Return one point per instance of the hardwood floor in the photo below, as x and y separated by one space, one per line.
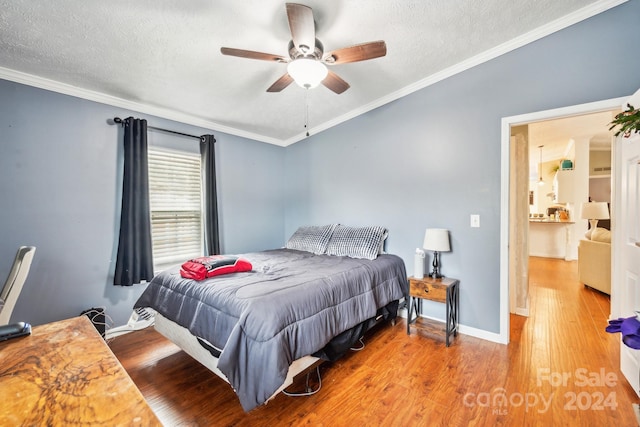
560 368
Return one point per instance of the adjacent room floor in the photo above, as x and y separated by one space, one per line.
560 368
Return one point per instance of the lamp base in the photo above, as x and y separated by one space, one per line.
435 273
594 224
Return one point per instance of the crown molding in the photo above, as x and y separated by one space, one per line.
166 113
523 40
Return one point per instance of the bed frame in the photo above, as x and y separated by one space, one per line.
189 343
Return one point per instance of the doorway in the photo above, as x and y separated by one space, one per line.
514 284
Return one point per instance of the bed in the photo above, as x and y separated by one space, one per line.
297 305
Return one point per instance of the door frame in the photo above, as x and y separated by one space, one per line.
505 219
619 259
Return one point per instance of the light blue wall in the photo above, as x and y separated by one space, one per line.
432 159
428 160
250 196
60 190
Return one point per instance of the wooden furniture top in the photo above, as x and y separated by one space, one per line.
430 288
65 374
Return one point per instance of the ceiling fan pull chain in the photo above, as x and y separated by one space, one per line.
306 110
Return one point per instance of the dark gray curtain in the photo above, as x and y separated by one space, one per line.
209 195
135 259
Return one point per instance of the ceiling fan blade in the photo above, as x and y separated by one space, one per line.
355 53
335 83
302 26
252 54
281 83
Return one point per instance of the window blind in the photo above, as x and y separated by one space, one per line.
175 203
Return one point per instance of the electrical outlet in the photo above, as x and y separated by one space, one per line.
475 221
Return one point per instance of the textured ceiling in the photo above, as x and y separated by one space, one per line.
162 57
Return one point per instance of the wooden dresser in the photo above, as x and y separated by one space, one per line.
65 374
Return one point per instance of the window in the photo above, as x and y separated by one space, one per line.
175 203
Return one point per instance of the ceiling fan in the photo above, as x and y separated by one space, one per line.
307 60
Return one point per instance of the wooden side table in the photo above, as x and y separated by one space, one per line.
65 374
443 290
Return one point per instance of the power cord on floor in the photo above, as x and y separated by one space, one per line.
308 389
361 339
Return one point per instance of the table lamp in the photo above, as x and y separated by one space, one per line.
593 211
436 240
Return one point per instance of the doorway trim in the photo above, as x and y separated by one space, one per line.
505 219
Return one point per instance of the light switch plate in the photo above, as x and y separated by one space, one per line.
475 221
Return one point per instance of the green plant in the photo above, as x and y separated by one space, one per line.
629 121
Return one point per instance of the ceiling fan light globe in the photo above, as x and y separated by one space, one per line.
307 73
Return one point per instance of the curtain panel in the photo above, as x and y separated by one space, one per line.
209 195
134 262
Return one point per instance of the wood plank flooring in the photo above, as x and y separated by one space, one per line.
560 368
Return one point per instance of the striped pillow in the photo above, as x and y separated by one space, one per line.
312 238
356 242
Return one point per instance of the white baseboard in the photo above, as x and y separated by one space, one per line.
466 330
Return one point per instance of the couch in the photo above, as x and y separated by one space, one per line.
594 260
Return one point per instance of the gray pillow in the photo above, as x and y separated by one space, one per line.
356 242
313 238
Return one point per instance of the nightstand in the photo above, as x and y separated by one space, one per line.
444 290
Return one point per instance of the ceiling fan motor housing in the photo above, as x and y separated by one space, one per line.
295 53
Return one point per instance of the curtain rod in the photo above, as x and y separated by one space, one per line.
119 120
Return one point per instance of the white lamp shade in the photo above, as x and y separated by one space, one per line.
307 73
595 210
436 239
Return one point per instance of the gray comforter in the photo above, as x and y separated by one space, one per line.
290 305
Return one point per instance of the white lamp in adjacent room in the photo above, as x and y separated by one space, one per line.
436 240
593 211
